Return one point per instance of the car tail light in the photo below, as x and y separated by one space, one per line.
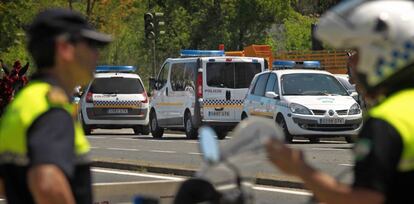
229 59
200 85
145 97
89 98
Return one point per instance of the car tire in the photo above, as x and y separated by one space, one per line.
190 131
86 128
314 140
145 129
351 139
243 116
288 137
221 134
156 130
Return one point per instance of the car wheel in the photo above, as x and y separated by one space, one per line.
86 128
221 134
145 129
190 131
351 139
244 116
156 130
288 137
314 140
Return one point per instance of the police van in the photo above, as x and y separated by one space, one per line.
115 98
201 88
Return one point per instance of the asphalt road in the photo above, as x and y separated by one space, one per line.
263 195
332 156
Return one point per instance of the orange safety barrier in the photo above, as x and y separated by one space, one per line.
334 61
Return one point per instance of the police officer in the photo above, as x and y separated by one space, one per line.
382 32
43 150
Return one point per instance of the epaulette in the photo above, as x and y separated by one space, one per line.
57 95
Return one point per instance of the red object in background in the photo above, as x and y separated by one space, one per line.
221 46
12 82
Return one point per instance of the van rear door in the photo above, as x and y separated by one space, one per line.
226 81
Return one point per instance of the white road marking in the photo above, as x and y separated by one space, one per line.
279 190
346 165
161 151
195 153
95 137
329 149
95 147
123 149
191 142
136 174
165 141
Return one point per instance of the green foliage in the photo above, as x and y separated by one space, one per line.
298 32
200 24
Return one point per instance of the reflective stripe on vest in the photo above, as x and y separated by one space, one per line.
398 110
29 104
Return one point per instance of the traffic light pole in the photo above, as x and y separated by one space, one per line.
154 58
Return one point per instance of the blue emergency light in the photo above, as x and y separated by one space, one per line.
202 53
288 64
312 64
283 64
115 68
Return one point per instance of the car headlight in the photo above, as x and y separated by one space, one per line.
299 109
355 109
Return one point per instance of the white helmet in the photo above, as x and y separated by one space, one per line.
381 31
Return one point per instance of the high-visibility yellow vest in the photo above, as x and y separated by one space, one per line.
31 102
398 110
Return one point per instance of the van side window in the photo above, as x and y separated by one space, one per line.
177 76
259 89
189 76
162 76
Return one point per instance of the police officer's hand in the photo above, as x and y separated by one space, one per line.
288 160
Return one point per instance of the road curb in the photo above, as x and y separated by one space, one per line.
260 180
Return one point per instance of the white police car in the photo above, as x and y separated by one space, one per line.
201 88
305 102
115 98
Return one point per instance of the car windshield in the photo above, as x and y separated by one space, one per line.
231 75
346 84
117 85
311 84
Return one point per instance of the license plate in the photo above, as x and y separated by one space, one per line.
219 113
332 121
117 111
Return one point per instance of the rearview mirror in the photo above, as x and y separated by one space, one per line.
208 145
271 94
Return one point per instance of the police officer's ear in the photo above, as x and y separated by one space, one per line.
65 50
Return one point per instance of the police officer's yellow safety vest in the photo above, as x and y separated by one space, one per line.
398 110
31 102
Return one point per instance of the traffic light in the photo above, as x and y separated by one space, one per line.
154 25
149 26
159 24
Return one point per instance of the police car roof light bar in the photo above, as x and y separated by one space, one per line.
290 64
202 53
115 68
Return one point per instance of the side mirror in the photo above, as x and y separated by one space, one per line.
271 94
209 145
152 83
353 94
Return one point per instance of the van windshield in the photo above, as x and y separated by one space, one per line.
116 85
231 75
311 84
